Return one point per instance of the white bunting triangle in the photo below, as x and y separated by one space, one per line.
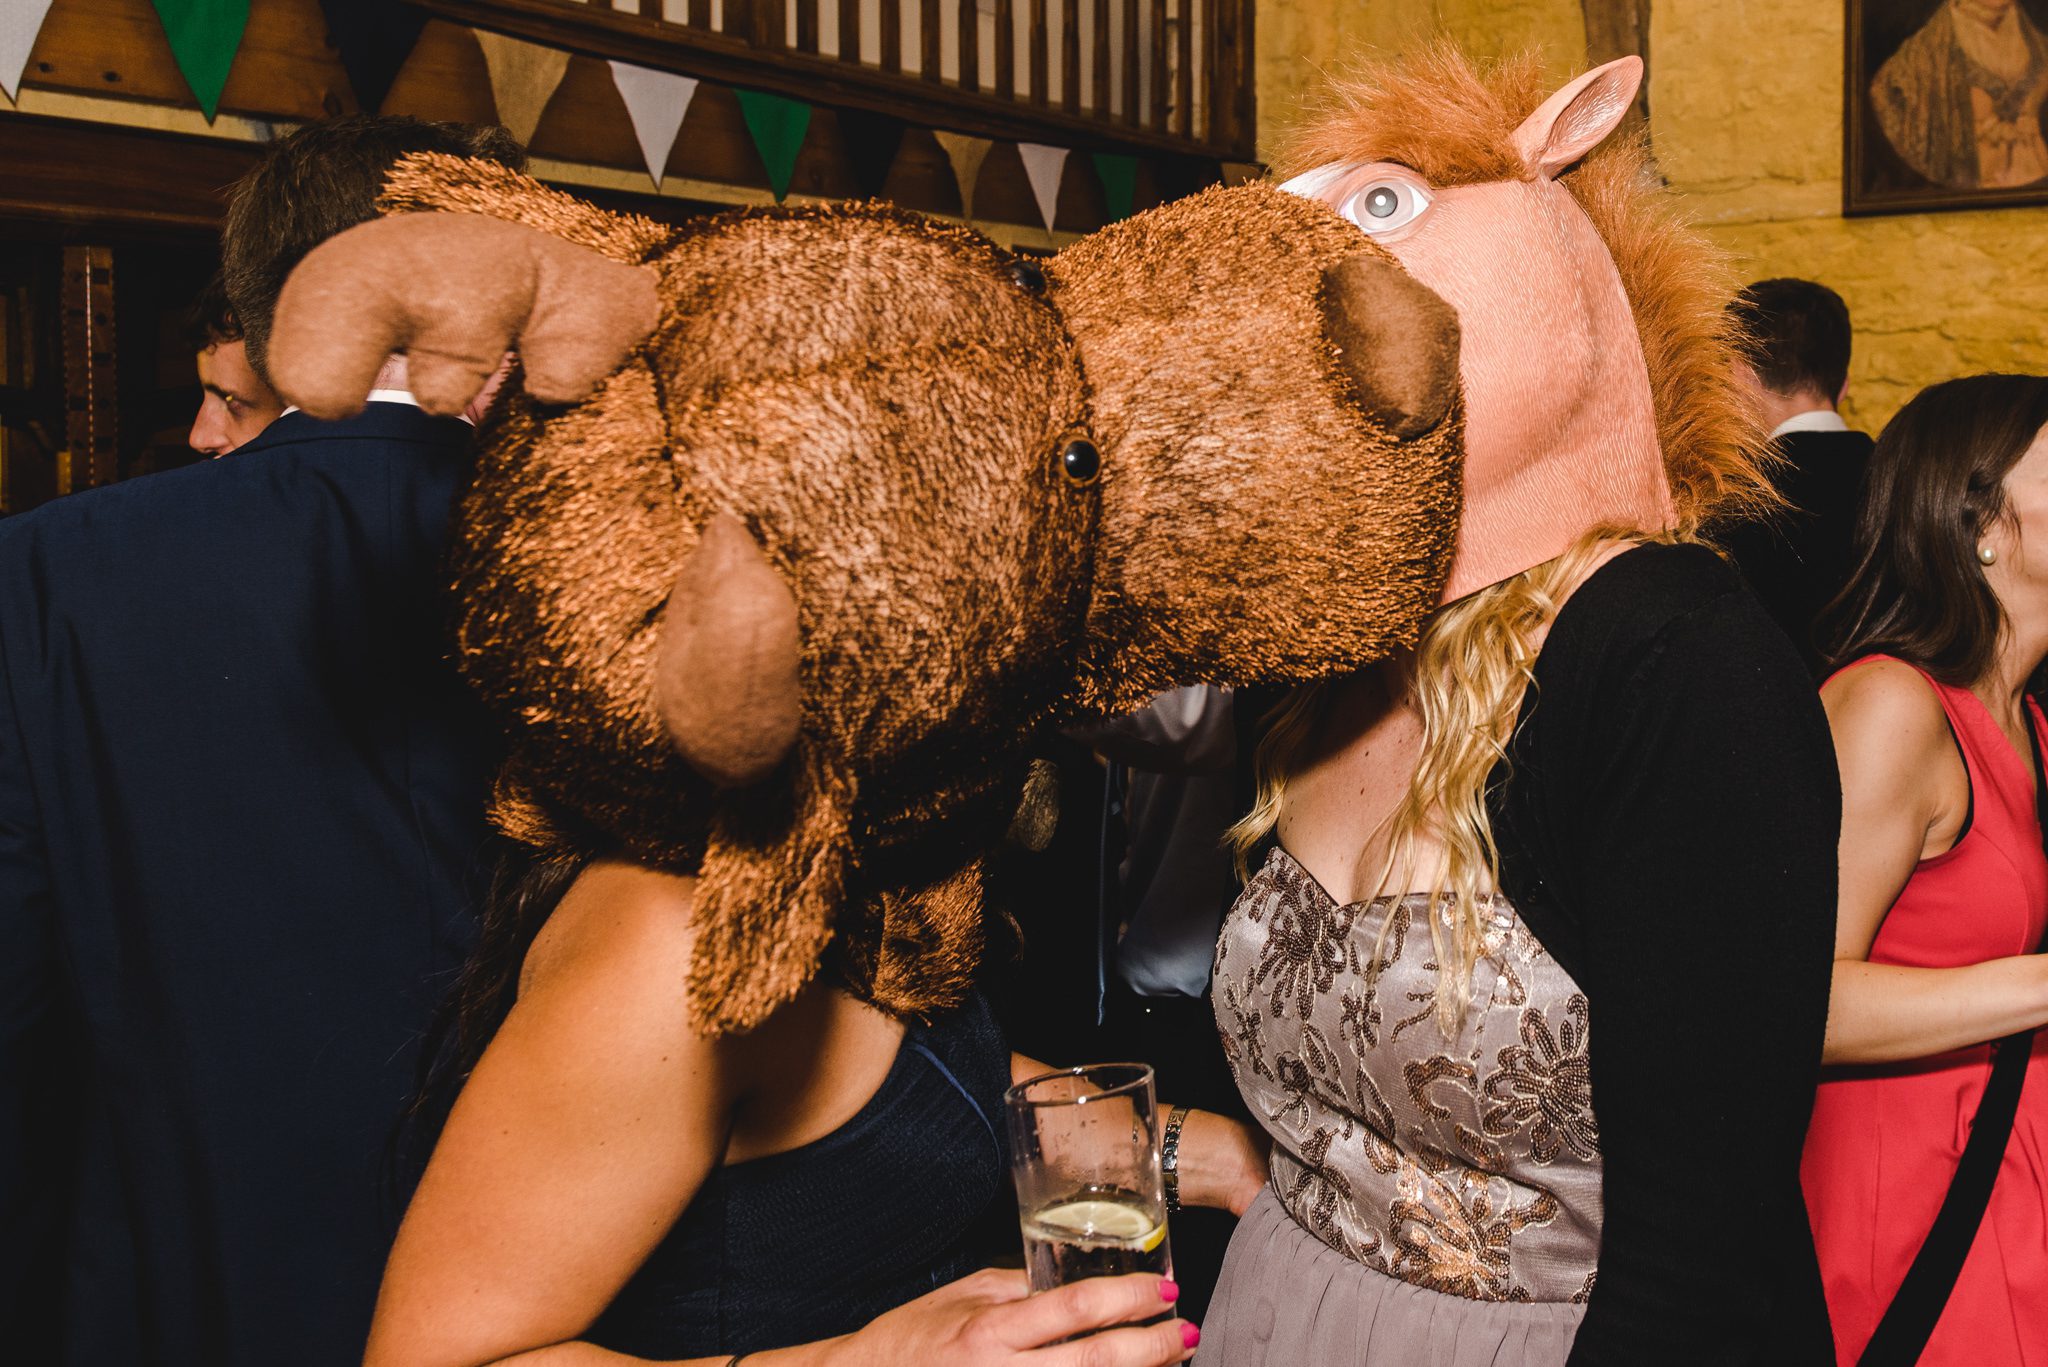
657 102
20 22
523 79
1044 165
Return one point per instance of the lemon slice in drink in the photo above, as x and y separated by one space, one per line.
1107 1221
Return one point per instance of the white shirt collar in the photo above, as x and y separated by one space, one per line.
1813 420
405 397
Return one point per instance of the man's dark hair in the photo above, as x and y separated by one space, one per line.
1797 335
322 180
210 321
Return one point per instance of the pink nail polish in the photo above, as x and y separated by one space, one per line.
1169 1291
1189 1336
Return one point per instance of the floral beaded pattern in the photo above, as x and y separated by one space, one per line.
1468 1165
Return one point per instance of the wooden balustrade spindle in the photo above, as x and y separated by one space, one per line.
771 26
1162 69
1070 55
970 44
1244 126
1184 68
807 25
1036 54
1210 47
1006 49
699 14
849 30
1222 72
1100 41
737 18
928 65
892 35
1132 113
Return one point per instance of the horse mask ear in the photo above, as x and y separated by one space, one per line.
1578 118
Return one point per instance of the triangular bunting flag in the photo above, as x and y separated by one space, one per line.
871 143
1119 176
374 38
657 102
523 79
20 22
777 124
204 36
967 154
1044 165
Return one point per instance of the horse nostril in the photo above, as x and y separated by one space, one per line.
1028 276
1081 461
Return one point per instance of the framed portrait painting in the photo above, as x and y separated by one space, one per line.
1946 105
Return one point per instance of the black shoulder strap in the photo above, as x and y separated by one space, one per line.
1910 1319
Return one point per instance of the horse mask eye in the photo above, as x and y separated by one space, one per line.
1385 205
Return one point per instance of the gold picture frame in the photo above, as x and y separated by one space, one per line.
1945 105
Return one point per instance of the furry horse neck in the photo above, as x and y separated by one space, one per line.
1574 372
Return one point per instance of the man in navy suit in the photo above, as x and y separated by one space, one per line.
1797 342
241 813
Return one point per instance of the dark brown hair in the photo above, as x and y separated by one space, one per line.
1936 483
1796 335
210 321
322 180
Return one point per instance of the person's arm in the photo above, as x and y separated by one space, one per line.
589 1124
1904 793
36 1102
1702 829
1222 1161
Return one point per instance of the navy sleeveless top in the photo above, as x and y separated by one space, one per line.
817 1241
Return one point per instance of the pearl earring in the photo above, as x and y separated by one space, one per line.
1987 555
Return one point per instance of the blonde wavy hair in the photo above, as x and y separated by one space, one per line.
1473 665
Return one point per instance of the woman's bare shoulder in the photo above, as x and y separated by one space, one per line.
1884 694
617 918
1887 721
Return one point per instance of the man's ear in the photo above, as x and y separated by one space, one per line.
1578 118
1395 339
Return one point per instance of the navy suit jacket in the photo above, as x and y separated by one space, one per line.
1799 560
241 806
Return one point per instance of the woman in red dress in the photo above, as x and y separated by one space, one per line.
1944 885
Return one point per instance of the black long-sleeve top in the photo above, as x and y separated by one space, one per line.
1667 817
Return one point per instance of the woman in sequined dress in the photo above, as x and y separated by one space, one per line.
1530 987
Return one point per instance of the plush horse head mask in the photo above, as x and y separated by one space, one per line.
1597 365
800 522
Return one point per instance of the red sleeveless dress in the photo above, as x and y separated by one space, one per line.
1885 1139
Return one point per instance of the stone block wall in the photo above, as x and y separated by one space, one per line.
1746 118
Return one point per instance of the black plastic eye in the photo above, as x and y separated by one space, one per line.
1081 461
1028 276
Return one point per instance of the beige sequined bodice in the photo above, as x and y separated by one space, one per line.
1468 1165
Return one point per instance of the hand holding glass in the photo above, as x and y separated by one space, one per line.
1084 1145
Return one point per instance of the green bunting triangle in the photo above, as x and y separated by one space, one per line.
204 36
777 124
1119 176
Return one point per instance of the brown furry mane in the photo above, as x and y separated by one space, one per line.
1450 119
